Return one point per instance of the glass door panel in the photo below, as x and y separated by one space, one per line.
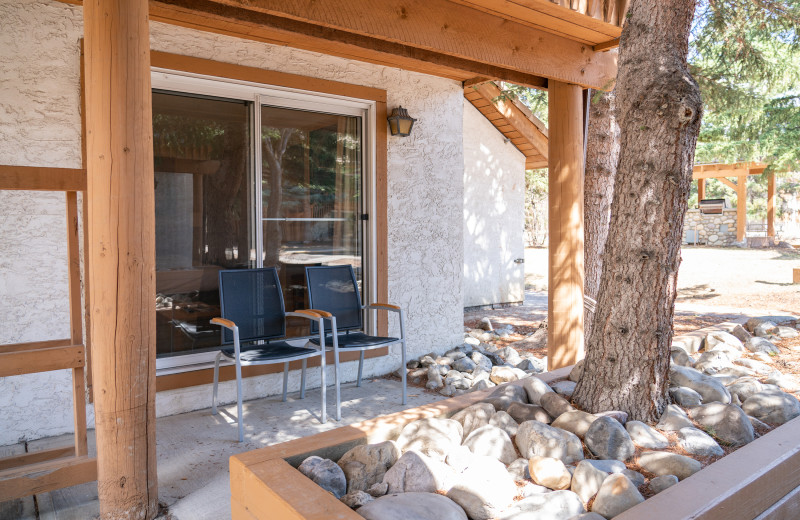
311 196
202 169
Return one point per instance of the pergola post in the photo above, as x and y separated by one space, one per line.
121 247
741 207
701 189
771 204
565 195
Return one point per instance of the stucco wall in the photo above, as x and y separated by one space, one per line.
494 214
40 125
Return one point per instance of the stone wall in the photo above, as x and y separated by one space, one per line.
712 230
40 126
494 214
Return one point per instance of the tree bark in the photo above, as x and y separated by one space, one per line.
659 110
602 154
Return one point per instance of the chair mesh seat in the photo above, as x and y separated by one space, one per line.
276 350
357 340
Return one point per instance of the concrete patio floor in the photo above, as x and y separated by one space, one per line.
193 450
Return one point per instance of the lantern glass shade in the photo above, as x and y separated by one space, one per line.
400 123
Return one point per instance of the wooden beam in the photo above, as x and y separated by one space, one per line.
714 171
565 193
741 208
42 178
431 36
38 478
514 116
728 182
701 189
34 345
771 204
121 228
40 360
36 457
606 46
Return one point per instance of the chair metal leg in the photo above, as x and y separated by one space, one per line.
303 379
216 380
285 380
336 381
239 408
323 385
360 366
403 369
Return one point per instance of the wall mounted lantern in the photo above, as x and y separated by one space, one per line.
400 123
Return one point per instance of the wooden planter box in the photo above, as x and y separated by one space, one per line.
760 480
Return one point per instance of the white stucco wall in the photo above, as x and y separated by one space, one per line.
494 214
40 126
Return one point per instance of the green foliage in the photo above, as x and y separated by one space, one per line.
745 55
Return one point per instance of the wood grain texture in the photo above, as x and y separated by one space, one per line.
46 476
42 178
741 208
41 360
121 229
565 222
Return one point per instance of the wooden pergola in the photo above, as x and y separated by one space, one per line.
554 45
741 171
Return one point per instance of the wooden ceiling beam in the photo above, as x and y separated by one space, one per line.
431 36
715 171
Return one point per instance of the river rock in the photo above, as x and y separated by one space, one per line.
577 371
412 506
685 397
535 388
546 506
365 465
662 482
712 361
531 365
535 438
519 470
698 443
787 321
673 419
787 332
645 436
483 493
616 494
679 356
555 404
665 463
741 333
434 378
716 338
504 395
464 364
528 412
565 388
505 422
634 476
588 516
379 489
575 421
765 328
503 374
431 436
473 417
759 367
356 499
326 474
772 407
415 472
745 387
618 415
756 344
726 422
608 439
549 472
587 479
510 355
491 441
481 361
710 389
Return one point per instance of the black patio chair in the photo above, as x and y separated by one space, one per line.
253 317
334 291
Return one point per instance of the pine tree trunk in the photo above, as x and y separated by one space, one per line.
659 110
602 154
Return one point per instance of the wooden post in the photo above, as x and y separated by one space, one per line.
701 189
121 229
565 194
771 204
741 207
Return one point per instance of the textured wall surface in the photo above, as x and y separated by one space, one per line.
713 230
40 125
494 214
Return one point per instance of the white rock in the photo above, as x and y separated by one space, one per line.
535 438
549 472
617 494
586 480
431 436
491 441
699 443
505 422
419 506
645 436
415 472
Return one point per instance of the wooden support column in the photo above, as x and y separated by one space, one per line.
771 204
741 207
565 194
701 189
121 229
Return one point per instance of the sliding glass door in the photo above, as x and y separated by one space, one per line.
248 179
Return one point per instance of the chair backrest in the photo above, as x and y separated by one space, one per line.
253 300
334 289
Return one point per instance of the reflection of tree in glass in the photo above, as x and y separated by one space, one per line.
274 142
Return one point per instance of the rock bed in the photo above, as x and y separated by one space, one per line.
526 453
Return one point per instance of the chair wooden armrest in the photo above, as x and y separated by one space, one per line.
385 306
228 324
324 314
305 313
